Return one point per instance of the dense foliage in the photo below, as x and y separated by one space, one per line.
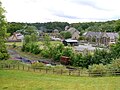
108 26
65 35
3 23
30 44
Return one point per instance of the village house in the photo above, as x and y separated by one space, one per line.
101 38
74 32
55 33
16 37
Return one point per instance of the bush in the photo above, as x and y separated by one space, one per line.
5 63
115 65
4 56
31 47
97 69
37 65
14 45
34 48
45 53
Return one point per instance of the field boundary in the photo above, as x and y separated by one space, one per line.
57 71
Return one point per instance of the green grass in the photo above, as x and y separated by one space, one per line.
40 42
23 80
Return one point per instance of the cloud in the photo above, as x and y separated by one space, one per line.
89 3
61 10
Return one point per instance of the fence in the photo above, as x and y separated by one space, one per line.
70 72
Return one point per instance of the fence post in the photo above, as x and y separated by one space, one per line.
34 69
61 71
40 70
46 70
89 73
2 66
8 66
69 72
28 68
53 70
18 66
78 72
23 67
13 66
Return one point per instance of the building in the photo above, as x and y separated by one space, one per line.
16 37
55 33
70 42
101 38
74 32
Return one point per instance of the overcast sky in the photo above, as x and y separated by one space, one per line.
61 10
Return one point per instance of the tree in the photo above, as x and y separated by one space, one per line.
13 27
46 40
101 56
117 26
65 35
3 23
30 30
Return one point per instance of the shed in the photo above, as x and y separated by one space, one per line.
71 42
65 60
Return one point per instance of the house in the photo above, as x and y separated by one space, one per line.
55 33
16 37
70 42
74 32
101 38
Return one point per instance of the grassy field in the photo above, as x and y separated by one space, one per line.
22 80
40 42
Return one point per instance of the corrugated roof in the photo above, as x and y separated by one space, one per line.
71 40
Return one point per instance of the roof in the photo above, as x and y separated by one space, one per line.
71 40
16 36
19 36
56 30
85 47
73 30
111 35
93 34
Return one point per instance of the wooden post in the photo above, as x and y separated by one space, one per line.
69 72
9 66
34 69
18 67
89 73
61 71
46 70
23 67
53 71
78 72
13 66
28 68
40 70
2 66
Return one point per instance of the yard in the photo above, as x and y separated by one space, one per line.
23 80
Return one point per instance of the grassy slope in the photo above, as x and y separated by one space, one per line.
21 80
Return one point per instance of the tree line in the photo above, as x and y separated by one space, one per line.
108 26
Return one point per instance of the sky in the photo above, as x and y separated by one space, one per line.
72 11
